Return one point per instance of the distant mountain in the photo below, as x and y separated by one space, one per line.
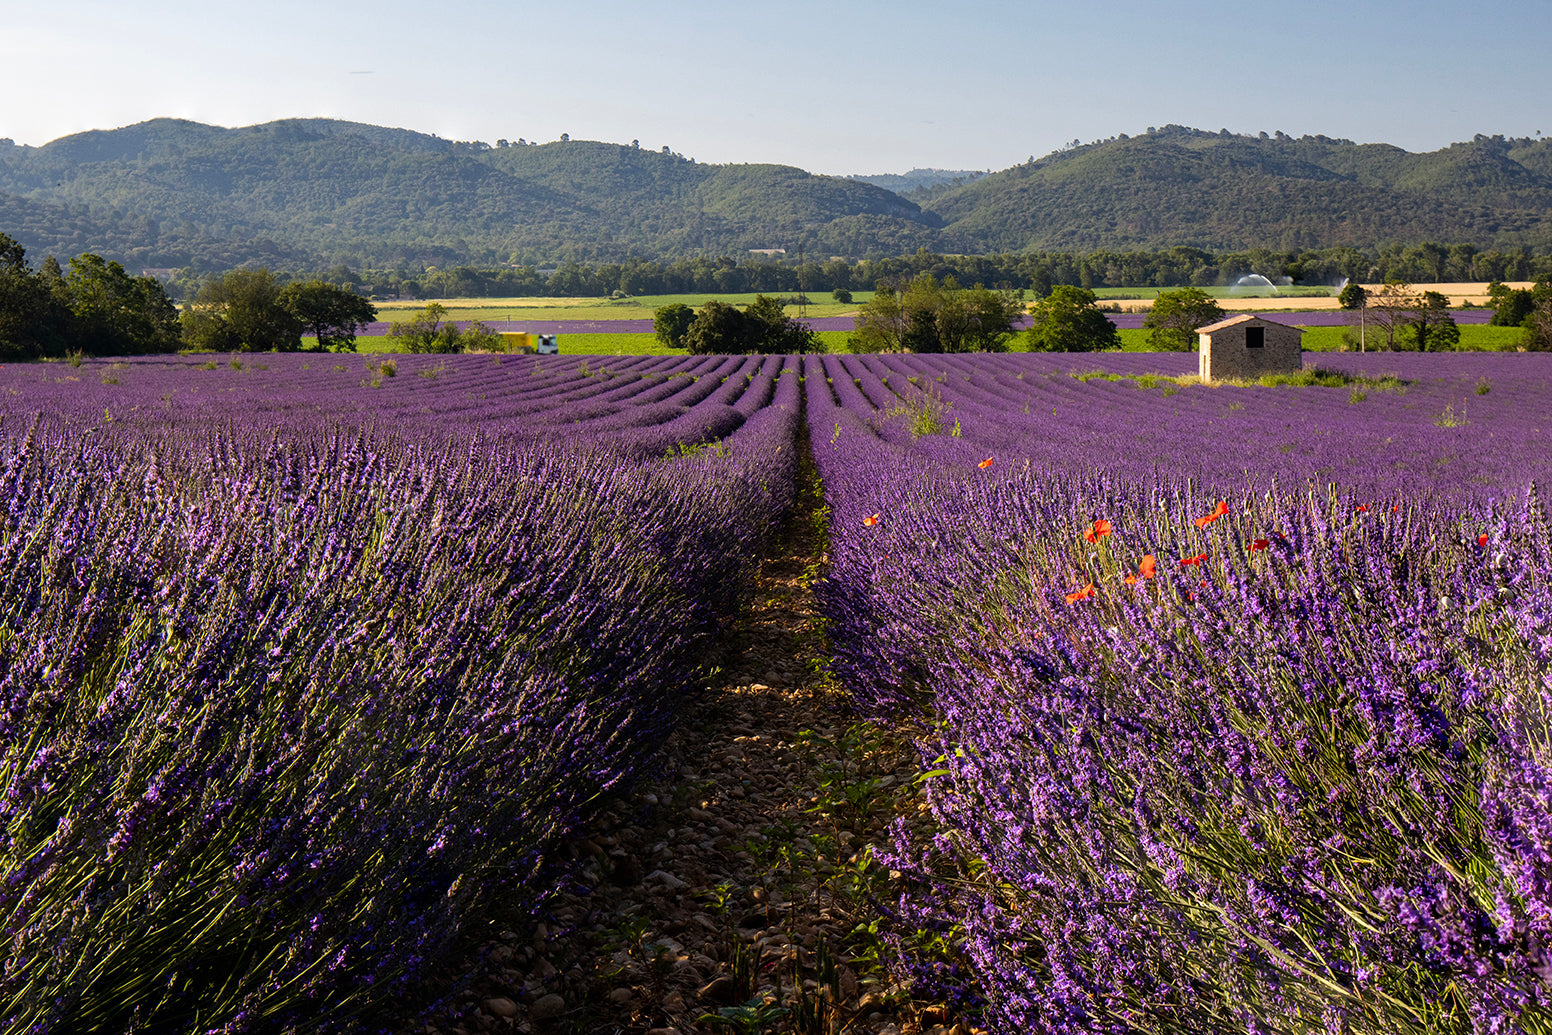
173 193
917 180
308 193
1186 187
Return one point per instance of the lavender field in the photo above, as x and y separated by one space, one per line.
1232 702
300 665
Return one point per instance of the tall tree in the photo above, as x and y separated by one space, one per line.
1175 316
332 314
1069 320
1391 310
241 312
931 316
771 330
114 314
879 325
1433 329
31 322
1538 322
671 322
719 329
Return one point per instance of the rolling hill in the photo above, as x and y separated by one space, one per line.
307 193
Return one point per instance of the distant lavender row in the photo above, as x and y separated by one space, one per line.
1459 427
299 667
1212 754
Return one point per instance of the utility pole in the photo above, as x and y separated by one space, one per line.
802 297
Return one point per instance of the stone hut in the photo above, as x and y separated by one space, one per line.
1247 346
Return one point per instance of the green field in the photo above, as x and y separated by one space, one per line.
1473 337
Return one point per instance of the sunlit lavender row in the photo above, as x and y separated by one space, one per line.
302 662
1235 700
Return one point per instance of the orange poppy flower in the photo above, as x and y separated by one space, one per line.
1146 568
1097 531
985 463
1206 519
1198 559
870 520
1260 544
1363 508
1131 580
1082 594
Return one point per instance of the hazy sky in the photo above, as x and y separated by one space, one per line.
833 87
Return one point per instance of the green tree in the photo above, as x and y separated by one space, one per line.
770 330
1510 305
763 326
841 295
241 312
1433 329
671 322
32 320
1538 322
114 314
880 324
425 332
1069 320
1176 315
931 316
1391 310
718 329
332 314
1353 296
978 319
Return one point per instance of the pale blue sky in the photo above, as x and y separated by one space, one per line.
833 87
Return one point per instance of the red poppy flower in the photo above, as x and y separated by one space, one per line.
1363 508
1198 559
1097 531
870 520
1481 540
1082 594
1260 544
985 463
1206 519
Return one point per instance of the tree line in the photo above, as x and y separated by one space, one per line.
95 307
1034 272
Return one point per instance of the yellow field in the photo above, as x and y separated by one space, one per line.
1458 294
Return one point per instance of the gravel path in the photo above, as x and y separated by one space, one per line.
712 893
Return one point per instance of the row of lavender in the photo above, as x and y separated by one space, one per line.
301 664
1224 736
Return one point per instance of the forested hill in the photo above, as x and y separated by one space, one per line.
174 193
313 192
1179 186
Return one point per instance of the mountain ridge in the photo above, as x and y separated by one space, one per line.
308 192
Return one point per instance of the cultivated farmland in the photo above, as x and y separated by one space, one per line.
1230 702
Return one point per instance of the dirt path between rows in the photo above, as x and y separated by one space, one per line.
710 897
